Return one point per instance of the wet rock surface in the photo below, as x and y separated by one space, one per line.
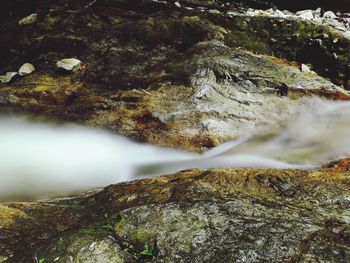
234 215
216 67
188 74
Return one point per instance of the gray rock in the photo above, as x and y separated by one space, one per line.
278 13
26 69
306 14
28 20
304 68
214 11
7 77
330 14
69 64
177 4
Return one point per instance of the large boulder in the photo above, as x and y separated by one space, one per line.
224 215
187 78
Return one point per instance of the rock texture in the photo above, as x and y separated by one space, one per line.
189 74
226 71
224 215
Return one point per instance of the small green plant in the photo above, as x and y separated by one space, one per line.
40 260
61 243
138 249
140 252
108 225
148 251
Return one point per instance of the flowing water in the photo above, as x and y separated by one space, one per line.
39 160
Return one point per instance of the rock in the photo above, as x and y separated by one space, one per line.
306 14
218 215
26 69
7 77
28 20
220 89
277 13
318 11
304 68
253 12
329 14
177 4
339 165
225 86
69 64
214 11
189 80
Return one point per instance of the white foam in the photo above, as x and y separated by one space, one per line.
39 160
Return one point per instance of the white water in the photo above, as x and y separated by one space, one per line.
39 160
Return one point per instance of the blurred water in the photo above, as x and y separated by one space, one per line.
39 160
318 133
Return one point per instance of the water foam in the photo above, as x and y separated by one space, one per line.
39 160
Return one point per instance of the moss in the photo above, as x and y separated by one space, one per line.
76 203
119 228
292 39
3 259
9 216
142 235
248 41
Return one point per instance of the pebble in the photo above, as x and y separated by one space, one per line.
304 68
214 11
7 77
28 20
177 4
277 13
306 14
69 64
26 69
329 14
340 21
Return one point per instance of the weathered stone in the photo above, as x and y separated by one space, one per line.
329 14
222 215
304 68
306 14
69 64
7 77
218 93
28 20
187 78
26 69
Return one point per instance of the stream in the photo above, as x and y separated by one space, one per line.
40 160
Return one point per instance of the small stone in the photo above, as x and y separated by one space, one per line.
28 20
329 14
251 12
277 13
287 13
7 77
26 69
177 4
69 64
306 14
304 68
214 11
